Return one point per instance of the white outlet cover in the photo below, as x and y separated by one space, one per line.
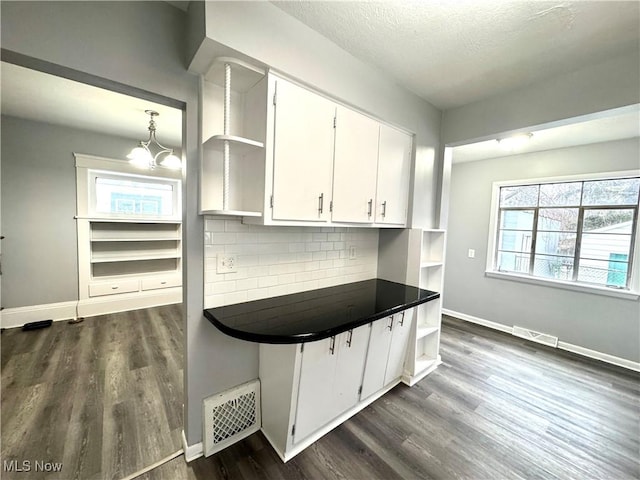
352 252
227 263
472 253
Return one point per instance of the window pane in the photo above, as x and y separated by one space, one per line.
608 220
556 243
513 262
558 268
560 194
623 191
558 219
600 246
515 240
516 219
129 197
608 273
522 196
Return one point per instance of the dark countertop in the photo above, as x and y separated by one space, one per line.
316 314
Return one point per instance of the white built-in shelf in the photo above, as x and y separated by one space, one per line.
434 230
426 331
133 239
123 257
430 264
424 362
127 219
237 145
232 213
244 75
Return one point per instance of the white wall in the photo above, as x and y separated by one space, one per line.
275 261
601 323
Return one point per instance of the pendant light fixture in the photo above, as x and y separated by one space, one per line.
142 156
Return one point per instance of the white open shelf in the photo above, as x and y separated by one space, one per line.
430 264
238 145
114 257
245 76
426 331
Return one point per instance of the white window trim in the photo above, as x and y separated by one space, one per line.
88 166
633 293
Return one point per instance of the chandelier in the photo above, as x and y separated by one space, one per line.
142 156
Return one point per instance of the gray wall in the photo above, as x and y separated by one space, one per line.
611 84
113 41
605 324
39 252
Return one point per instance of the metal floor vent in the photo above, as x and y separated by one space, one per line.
231 416
538 337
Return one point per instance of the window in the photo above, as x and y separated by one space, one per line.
575 231
113 194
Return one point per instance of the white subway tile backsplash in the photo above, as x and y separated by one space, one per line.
275 261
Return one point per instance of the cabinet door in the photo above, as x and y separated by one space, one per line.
352 351
394 165
315 394
302 155
401 330
355 167
377 355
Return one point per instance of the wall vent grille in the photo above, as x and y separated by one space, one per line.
231 416
538 337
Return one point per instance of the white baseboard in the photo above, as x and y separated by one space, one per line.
18 316
191 452
479 321
585 352
91 307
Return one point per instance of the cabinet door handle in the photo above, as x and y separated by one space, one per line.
332 347
370 202
321 203
350 338
384 208
390 326
115 287
402 320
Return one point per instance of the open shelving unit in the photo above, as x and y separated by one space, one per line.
416 257
233 160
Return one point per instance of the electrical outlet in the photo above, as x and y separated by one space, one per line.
352 252
227 263
471 253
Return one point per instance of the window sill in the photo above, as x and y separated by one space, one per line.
626 294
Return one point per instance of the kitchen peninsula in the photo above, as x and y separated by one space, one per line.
324 354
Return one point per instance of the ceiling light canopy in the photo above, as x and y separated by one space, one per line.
142 155
514 142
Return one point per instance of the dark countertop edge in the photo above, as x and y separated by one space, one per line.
313 336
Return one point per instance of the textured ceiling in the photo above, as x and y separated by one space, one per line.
456 52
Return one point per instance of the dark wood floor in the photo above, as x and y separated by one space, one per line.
104 396
497 408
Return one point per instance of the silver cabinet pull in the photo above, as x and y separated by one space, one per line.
350 338
390 326
115 287
384 208
332 348
402 320
370 202
321 203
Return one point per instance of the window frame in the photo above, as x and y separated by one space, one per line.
633 281
89 167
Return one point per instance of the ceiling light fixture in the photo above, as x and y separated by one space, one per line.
141 156
514 142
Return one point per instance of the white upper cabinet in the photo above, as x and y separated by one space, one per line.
302 154
354 167
394 165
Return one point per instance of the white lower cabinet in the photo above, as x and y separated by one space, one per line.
309 389
330 377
